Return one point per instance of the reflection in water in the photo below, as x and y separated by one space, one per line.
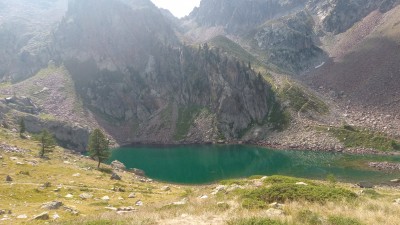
204 164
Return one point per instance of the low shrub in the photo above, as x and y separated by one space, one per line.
293 192
277 179
233 181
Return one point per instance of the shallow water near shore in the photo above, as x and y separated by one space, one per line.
201 164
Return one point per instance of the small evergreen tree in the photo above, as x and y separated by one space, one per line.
21 127
98 146
47 142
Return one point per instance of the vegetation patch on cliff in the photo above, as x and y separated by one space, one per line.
186 116
353 137
301 101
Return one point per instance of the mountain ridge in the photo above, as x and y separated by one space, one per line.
147 77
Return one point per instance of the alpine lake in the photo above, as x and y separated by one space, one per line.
203 164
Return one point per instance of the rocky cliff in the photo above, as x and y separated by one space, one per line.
26 34
146 86
145 76
284 33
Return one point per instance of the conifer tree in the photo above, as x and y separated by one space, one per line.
21 126
98 146
47 142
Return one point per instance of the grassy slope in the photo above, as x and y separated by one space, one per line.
25 196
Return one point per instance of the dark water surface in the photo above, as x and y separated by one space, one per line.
200 164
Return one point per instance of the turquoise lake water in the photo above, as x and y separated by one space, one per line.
201 164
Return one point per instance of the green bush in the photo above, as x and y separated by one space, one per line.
255 221
277 179
293 192
339 220
233 181
250 203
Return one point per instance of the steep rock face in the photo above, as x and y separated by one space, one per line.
67 135
114 34
239 15
289 42
145 87
25 35
340 15
286 32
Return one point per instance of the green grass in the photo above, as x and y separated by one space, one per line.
232 48
255 221
352 137
282 189
301 101
186 116
47 117
278 179
233 181
277 116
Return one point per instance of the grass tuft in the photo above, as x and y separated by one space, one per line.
340 220
255 221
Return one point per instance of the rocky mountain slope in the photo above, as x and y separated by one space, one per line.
219 74
25 35
141 84
363 69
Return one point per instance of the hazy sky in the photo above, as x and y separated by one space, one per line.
179 8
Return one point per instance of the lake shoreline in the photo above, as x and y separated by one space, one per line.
271 145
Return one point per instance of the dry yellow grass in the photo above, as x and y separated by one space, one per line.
25 195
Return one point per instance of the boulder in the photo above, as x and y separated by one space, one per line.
23 216
138 172
69 196
8 178
86 196
55 216
203 197
165 188
181 202
105 198
71 210
118 165
301 183
218 189
139 203
115 176
276 205
132 195
126 209
365 185
42 216
52 205
46 185
274 212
